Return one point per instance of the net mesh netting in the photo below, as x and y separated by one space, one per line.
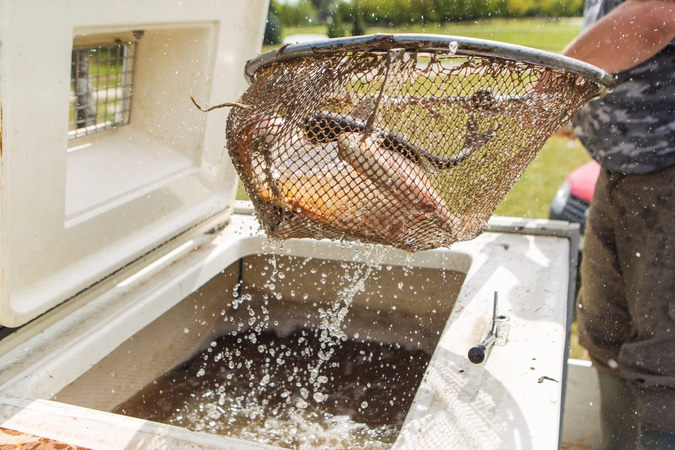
401 147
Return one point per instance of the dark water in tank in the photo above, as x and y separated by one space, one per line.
264 388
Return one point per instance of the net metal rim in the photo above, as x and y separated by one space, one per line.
434 43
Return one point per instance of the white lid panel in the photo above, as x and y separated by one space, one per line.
74 211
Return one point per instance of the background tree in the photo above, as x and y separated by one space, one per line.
358 26
325 8
393 13
335 25
300 14
272 26
350 13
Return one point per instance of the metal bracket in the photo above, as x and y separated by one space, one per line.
499 331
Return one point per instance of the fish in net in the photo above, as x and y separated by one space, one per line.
405 140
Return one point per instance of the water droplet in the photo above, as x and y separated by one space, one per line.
201 372
319 397
185 330
364 405
452 47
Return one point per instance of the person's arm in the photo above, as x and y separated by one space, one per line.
631 33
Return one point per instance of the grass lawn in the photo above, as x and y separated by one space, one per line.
551 35
532 194
545 34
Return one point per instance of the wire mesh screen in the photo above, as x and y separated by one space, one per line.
396 146
100 88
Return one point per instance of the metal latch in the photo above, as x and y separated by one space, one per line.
499 331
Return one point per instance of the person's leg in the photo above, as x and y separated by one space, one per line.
653 439
603 317
627 309
618 415
603 312
646 233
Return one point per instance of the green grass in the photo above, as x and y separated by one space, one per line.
576 350
317 29
545 34
241 192
532 194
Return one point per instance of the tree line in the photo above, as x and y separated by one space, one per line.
397 12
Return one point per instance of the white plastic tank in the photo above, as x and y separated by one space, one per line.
123 251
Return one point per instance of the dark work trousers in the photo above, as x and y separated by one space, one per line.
627 305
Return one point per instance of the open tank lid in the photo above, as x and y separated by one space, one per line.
79 201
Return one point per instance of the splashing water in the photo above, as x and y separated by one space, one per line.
307 386
332 319
452 47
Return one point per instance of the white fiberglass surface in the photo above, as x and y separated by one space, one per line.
96 203
290 351
162 318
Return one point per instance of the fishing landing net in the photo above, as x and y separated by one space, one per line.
405 140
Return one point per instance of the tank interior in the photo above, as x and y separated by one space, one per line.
283 350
